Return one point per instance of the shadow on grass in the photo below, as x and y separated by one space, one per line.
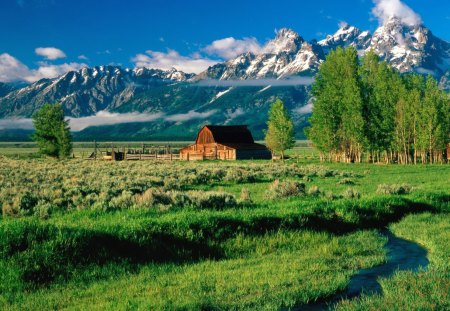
44 253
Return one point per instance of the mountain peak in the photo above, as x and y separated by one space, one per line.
286 40
346 35
286 33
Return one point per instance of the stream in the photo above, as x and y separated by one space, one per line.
401 255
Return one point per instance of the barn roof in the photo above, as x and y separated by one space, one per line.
231 134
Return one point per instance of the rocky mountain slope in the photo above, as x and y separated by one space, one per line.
88 90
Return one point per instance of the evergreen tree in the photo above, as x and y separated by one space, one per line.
52 132
280 129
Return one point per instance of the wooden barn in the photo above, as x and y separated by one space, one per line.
222 142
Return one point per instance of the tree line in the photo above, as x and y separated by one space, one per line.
366 110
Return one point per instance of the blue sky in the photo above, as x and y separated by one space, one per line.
190 34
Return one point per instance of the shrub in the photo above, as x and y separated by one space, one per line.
285 189
180 199
346 181
329 195
314 191
239 176
26 203
212 200
351 193
323 172
152 198
394 189
245 195
307 179
171 183
43 209
124 200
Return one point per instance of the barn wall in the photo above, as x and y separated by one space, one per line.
253 154
207 151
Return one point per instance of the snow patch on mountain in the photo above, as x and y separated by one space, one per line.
220 94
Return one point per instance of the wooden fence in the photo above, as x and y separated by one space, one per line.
145 152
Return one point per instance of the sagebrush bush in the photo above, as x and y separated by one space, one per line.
329 195
212 200
152 198
394 189
239 176
245 195
351 193
122 201
171 183
346 181
84 185
285 189
314 191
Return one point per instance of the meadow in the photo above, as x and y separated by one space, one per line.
146 235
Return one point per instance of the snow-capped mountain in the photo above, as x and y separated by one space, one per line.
88 90
112 88
346 36
411 48
407 48
285 55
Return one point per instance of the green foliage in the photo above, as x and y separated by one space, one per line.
372 108
280 129
337 120
52 132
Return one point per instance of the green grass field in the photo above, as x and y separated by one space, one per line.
147 235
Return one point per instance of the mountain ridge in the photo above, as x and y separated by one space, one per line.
113 88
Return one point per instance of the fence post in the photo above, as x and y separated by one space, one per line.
95 150
113 154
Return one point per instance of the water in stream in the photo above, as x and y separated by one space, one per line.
401 255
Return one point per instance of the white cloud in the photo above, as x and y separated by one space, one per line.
50 53
258 82
305 109
384 9
425 71
236 113
189 116
172 59
78 124
109 118
11 69
230 47
342 24
83 57
16 123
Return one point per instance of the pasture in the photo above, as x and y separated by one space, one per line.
150 235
